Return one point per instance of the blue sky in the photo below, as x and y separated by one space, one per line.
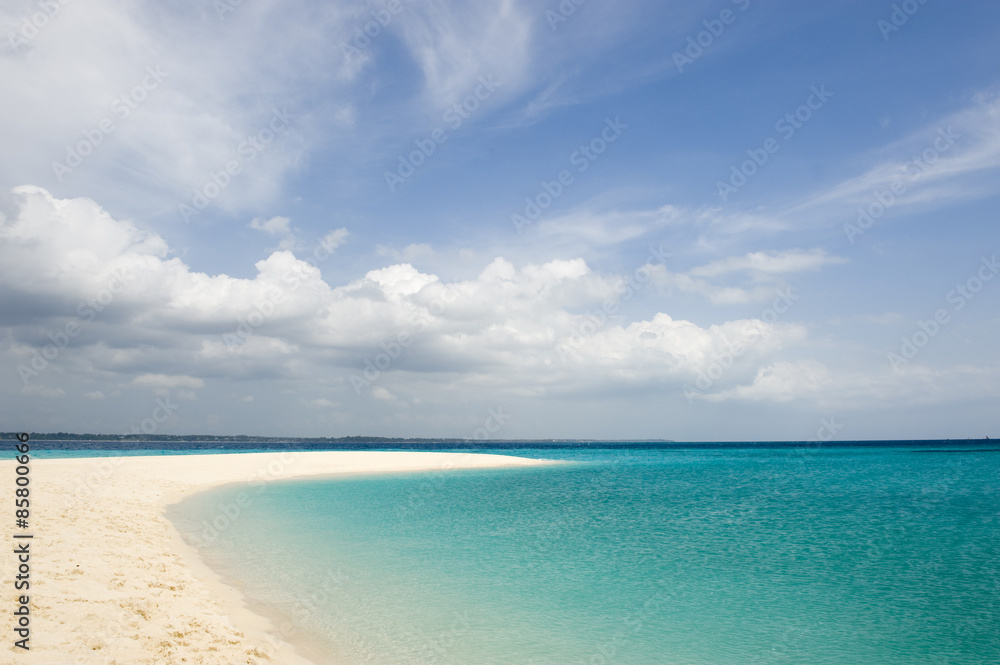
642 221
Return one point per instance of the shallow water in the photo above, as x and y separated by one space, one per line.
673 557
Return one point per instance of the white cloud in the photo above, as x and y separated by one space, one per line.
512 328
769 263
43 392
378 392
165 381
274 226
512 332
334 239
948 159
717 294
320 403
175 131
590 226
780 382
455 44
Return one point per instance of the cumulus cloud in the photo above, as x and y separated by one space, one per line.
273 226
521 329
780 382
334 239
165 381
378 392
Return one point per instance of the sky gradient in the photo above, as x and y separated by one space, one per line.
727 220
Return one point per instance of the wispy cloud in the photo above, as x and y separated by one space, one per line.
767 264
946 160
455 44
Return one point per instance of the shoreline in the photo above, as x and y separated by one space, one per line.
114 581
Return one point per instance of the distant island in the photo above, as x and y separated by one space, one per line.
244 442
245 438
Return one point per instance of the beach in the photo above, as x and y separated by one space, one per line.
111 580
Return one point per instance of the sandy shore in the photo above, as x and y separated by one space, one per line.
113 583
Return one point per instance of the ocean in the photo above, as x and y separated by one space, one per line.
719 556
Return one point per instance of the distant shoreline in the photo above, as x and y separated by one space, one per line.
243 443
247 438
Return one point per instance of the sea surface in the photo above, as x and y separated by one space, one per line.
729 556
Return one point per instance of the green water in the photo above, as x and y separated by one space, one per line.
725 557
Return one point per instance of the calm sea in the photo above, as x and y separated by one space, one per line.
835 556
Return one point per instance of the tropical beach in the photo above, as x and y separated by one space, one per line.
112 581
378 332
646 553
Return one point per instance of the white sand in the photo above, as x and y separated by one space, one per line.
113 583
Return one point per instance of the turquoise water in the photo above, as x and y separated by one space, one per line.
676 557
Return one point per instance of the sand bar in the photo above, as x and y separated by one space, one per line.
112 583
